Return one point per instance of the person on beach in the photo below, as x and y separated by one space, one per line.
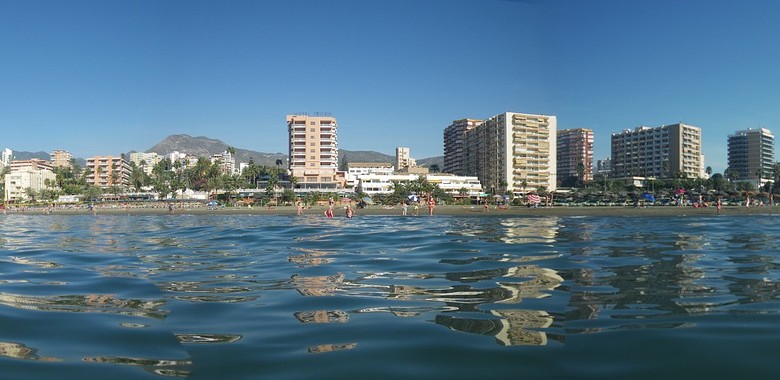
416 208
718 204
298 207
404 208
170 208
431 205
329 212
350 212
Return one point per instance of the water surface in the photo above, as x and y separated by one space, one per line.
287 297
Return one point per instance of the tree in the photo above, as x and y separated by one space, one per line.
434 168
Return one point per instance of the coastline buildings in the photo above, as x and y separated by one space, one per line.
107 171
604 166
512 152
60 158
663 152
575 154
27 176
6 157
453 145
751 155
314 152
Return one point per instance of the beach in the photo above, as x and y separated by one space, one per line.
441 210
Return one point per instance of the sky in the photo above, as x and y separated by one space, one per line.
105 77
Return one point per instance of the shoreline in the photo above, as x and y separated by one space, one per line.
423 212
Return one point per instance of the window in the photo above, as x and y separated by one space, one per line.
312 143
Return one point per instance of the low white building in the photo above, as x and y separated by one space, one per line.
451 184
355 169
27 174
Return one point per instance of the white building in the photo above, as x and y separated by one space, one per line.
451 184
27 174
226 162
355 169
6 157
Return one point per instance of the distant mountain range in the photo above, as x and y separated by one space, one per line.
204 146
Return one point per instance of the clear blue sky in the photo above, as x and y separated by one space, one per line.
105 76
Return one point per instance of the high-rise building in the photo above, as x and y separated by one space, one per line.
6 157
27 174
512 152
226 162
453 145
604 166
662 152
575 154
60 158
106 171
403 158
314 151
751 155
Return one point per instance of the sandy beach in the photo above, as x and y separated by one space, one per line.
477 211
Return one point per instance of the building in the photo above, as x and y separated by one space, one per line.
145 161
355 169
314 152
226 161
457 186
107 171
751 155
403 158
575 154
513 152
27 176
604 167
6 157
662 152
453 145
60 158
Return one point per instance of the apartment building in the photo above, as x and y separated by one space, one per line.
453 145
314 152
356 169
60 158
662 152
226 162
575 154
27 176
403 158
751 155
107 171
6 156
145 161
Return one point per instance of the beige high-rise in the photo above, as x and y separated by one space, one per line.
314 152
513 152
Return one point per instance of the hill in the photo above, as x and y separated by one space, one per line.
205 147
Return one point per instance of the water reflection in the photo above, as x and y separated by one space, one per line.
20 351
323 348
162 367
322 316
207 338
512 328
92 303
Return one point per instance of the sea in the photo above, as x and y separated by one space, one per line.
389 297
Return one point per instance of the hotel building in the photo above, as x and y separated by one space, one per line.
457 186
60 158
512 152
575 154
751 152
453 145
662 152
314 152
27 174
106 171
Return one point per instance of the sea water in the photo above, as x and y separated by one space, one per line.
388 297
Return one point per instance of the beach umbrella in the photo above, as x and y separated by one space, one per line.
649 197
679 191
413 197
533 198
368 200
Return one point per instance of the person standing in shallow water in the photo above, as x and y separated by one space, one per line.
431 205
329 212
350 212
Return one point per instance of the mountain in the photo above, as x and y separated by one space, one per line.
205 147
364 156
30 155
